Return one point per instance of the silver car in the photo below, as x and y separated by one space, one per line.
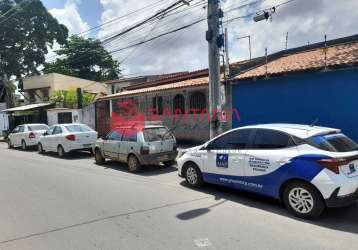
150 145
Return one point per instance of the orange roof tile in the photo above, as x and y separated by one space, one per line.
174 85
338 55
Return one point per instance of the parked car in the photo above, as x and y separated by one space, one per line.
150 145
26 135
308 168
65 138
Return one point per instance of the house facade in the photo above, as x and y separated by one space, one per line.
313 85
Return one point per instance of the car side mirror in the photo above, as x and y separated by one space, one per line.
45 133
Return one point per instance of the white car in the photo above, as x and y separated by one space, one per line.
26 135
64 138
308 168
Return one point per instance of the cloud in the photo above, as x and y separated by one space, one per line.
70 17
305 20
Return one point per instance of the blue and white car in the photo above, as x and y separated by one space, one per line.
308 168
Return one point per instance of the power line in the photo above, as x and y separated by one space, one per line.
17 8
157 15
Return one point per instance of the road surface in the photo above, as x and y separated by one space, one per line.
49 203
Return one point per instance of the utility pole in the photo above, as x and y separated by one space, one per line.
216 91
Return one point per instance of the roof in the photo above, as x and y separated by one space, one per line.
300 131
338 56
28 107
175 85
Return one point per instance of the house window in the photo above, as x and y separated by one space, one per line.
197 102
179 104
157 105
65 117
45 95
32 97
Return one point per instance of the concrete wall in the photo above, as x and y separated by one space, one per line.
330 97
52 115
88 115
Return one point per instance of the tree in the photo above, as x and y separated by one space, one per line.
27 30
68 98
85 58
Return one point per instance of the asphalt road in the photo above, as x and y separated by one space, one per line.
49 203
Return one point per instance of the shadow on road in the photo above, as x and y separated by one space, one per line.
342 219
146 170
78 155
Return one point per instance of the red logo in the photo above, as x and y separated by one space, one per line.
127 115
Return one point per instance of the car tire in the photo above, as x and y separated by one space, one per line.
133 164
40 148
23 145
99 157
60 152
193 175
9 145
303 200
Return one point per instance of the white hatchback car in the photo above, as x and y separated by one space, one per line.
64 138
308 168
26 135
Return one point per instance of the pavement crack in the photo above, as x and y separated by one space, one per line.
99 220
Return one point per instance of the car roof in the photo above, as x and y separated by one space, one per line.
34 124
298 130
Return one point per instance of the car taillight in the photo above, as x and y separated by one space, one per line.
144 150
32 135
333 164
71 137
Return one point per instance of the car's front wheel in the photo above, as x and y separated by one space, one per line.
60 152
303 200
193 175
98 157
134 164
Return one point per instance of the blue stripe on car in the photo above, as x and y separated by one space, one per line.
304 167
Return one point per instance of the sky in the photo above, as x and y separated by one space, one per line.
306 21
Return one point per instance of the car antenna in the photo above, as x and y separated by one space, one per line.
314 122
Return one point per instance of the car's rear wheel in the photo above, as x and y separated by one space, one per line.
40 148
23 145
303 200
99 157
193 175
60 152
134 164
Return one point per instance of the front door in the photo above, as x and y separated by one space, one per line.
129 144
112 144
224 160
267 158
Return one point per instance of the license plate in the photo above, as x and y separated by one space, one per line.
87 145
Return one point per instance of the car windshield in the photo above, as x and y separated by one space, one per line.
157 134
337 142
37 127
78 128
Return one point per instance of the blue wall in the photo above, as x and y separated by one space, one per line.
332 97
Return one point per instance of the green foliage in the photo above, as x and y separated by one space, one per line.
85 58
68 98
27 29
